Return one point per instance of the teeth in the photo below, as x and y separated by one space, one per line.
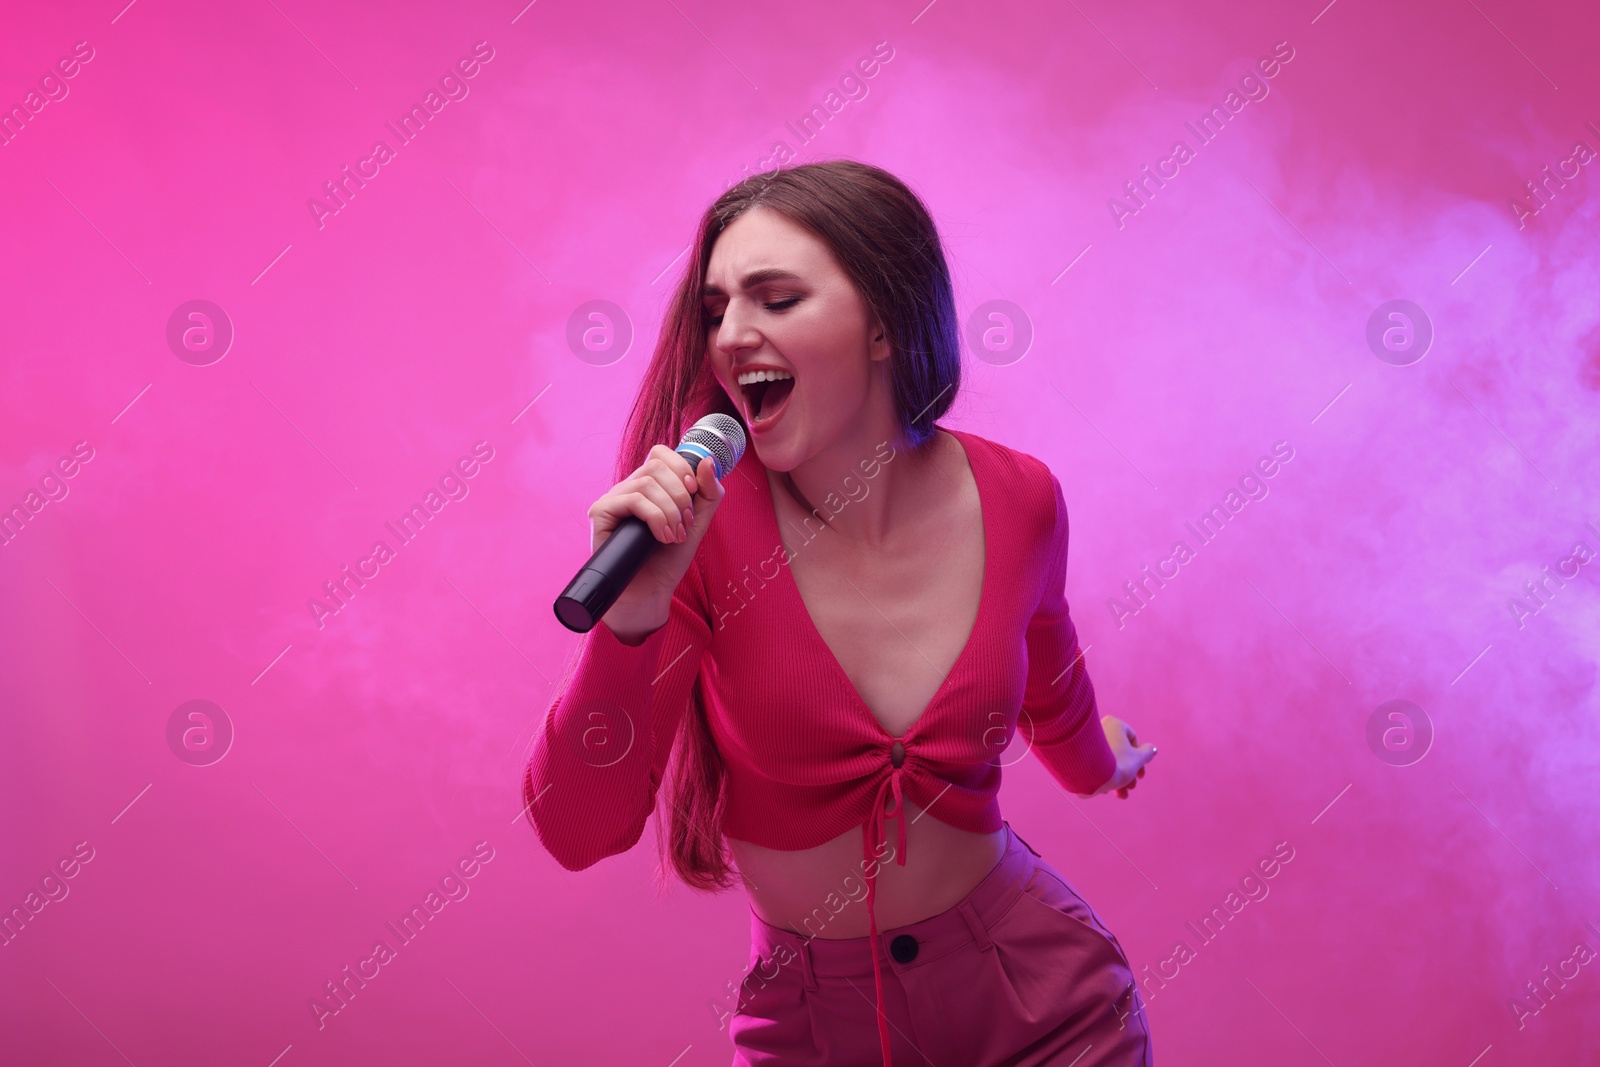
762 376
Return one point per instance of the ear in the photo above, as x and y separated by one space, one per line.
879 342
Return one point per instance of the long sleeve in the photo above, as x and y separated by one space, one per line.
1059 700
600 756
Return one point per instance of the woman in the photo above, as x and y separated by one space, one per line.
832 667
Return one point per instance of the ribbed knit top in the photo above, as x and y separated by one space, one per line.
805 759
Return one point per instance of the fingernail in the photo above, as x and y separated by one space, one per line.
681 532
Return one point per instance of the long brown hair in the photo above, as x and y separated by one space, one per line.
886 241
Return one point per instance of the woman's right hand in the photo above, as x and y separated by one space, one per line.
677 503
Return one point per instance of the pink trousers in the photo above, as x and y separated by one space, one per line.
1021 972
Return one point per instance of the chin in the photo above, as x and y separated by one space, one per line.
774 455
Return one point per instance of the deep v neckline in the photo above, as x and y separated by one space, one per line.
814 634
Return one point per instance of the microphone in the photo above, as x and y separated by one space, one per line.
614 564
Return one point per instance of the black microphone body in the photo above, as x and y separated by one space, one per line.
615 563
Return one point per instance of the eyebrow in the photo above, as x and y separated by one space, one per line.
755 278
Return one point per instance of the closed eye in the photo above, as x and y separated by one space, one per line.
777 305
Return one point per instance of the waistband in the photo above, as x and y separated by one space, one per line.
966 922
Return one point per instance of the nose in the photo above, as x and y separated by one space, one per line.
737 329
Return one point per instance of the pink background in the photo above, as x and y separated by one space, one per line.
372 754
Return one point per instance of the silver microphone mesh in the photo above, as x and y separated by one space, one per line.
722 436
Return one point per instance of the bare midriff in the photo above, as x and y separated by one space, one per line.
821 891
929 578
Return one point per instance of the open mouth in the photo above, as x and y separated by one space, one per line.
766 393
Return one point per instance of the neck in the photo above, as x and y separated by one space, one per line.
867 481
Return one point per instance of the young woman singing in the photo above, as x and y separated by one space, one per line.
823 669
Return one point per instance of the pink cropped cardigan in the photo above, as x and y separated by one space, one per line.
805 758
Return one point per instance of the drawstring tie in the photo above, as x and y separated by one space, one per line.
873 834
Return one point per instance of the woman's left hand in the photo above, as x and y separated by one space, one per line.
1131 757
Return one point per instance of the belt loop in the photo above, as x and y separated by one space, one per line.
808 975
980 934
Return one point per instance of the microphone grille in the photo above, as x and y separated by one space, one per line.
722 436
